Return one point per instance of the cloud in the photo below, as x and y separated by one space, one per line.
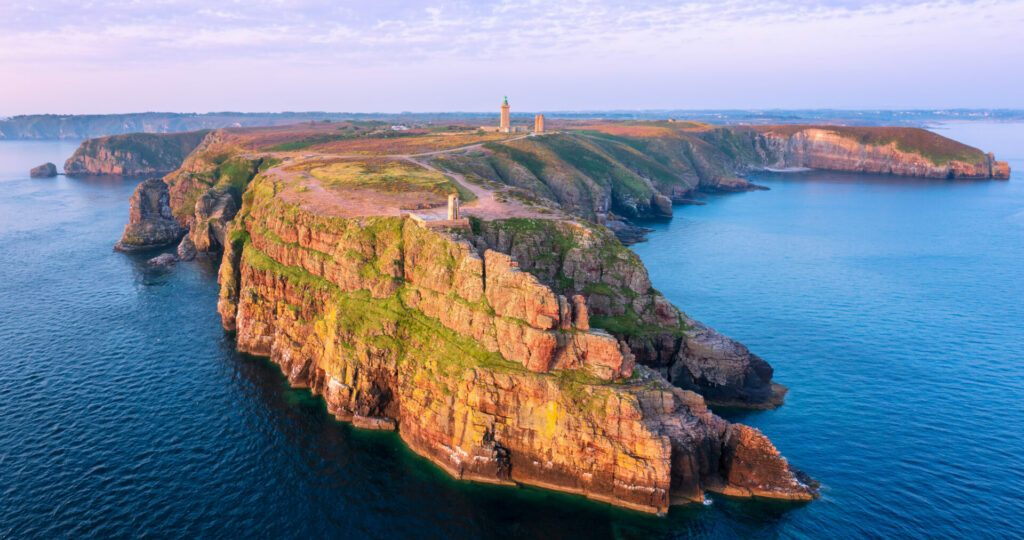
710 43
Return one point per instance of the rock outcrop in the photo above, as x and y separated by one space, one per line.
478 364
150 222
134 154
877 150
46 170
575 259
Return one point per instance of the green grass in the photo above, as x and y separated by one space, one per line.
532 163
312 140
296 276
234 174
622 181
387 176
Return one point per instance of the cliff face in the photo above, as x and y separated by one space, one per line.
133 154
576 259
898 151
479 366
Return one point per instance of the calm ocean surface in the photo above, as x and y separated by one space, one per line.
892 308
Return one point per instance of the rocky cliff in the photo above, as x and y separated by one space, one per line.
133 154
579 259
150 221
878 150
479 365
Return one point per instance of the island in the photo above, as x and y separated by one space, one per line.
467 288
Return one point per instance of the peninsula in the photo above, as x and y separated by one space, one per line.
505 333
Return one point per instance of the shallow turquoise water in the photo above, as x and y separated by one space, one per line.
891 308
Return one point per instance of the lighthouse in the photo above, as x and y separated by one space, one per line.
506 124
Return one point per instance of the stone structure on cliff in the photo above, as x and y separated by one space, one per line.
538 124
453 207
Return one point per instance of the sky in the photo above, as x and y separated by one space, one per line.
99 56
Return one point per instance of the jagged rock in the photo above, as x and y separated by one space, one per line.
755 465
661 204
581 316
213 211
1000 170
46 170
150 223
186 249
723 370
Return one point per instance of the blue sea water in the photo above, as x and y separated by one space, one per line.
892 309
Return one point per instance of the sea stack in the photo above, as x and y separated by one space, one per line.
150 222
46 170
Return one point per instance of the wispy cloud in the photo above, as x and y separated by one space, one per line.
590 42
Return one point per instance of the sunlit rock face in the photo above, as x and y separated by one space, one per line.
476 362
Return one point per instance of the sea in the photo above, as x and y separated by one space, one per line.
892 308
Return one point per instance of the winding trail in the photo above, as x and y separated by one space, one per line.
489 203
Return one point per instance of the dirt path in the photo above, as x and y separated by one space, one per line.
486 206
306 190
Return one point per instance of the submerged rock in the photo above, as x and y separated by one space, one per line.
165 259
150 223
46 170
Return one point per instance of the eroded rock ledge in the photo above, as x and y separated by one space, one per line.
478 365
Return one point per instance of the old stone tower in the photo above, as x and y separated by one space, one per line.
506 124
538 123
